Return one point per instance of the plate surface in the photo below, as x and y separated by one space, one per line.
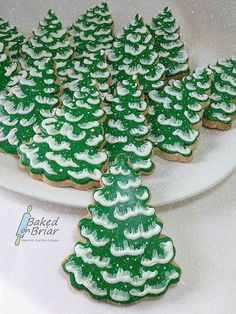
214 160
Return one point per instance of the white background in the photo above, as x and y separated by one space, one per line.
203 229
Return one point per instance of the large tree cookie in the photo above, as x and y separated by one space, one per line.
92 32
126 126
171 125
49 40
168 45
222 109
67 152
123 257
133 54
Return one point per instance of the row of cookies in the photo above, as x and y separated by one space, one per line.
141 66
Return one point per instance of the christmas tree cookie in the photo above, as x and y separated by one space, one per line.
8 70
126 127
28 103
95 68
49 40
195 91
171 130
11 39
133 54
222 109
124 257
168 45
92 32
68 153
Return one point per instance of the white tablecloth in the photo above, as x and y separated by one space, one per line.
204 233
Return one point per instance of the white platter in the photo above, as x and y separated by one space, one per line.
214 160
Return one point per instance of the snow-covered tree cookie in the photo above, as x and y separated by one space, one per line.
133 54
68 150
222 109
171 131
50 40
124 257
11 39
168 45
195 90
92 32
28 103
126 126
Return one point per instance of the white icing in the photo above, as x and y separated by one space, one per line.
125 276
133 117
126 249
134 52
133 212
226 107
171 91
166 256
94 159
115 139
155 289
187 137
10 137
32 155
161 119
88 282
129 184
86 254
197 96
116 124
60 160
119 295
134 234
103 221
119 170
93 237
52 143
24 122
101 199
94 140
85 173
177 148
144 150
220 116
46 100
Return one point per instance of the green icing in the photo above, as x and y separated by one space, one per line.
125 258
95 68
168 45
171 125
30 101
50 40
222 109
133 54
11 39
8 70
92 32
126 126
69 146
